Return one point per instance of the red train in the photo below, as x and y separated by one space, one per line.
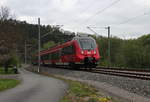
81 51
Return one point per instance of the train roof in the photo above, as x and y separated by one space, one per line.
82 37
57 47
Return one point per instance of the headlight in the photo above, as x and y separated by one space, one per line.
94 52
82 52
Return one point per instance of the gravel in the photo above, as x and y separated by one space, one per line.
137 86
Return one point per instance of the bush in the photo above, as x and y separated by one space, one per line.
14 61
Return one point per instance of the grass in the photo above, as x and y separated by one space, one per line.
8 83
10 71
80 89
80 92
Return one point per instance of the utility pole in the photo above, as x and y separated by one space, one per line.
109 51
25 53
39 48
109 58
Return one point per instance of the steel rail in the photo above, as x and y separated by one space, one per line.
130 74
125 69
143 74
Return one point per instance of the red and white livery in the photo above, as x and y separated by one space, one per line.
81 51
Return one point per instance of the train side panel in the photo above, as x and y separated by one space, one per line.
71 53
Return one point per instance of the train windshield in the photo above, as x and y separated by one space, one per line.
87 43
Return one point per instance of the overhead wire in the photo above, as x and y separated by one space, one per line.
109 6
101 11
128 20
71 19
133 18
98 12
83 11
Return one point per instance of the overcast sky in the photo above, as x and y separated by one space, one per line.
127 18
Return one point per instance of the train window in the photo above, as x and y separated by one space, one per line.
71 49
55 55
63 51
50 56
68 50
86 43
44 57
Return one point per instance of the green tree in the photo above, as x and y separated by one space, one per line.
48 45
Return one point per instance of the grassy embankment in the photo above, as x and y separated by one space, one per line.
81 92
7 83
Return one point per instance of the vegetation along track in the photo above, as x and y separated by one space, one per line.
131 73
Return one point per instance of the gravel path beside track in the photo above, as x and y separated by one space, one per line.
140 87
35 88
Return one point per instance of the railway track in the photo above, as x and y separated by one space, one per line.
131 73
143 74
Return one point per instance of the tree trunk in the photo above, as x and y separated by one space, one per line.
6 67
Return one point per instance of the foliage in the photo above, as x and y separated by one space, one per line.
10 71
9 35
14 33
80 92
126 53
48 45
80 89
8 83
14 61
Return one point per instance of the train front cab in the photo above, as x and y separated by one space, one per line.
87 52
